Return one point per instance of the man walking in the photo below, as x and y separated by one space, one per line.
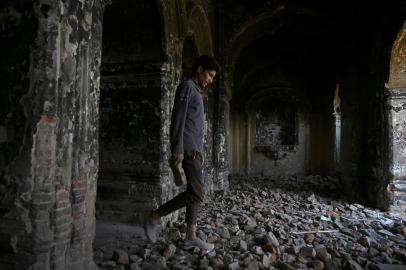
186 137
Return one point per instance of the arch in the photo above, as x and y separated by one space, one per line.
296 97
243 131
271 112
397 75
199 28
183 20
284 95
174 25
260 25
263 77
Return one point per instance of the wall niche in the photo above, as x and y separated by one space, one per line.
276 128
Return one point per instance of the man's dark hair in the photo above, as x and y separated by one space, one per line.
207 63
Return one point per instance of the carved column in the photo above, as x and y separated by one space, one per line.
57 165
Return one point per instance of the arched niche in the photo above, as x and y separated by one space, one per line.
276 132
183 20
275 124
262 77
252 29
199 28
397 77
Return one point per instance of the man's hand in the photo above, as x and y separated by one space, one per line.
178 158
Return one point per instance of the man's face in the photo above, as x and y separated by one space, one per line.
205 76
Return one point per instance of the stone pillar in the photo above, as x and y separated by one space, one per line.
222 143
397 143
337 140
55 172
170 78
248 129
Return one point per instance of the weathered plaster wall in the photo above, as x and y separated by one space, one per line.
170 79
51 179
281 159
277 133
398 115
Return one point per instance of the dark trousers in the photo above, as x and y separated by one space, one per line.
194 193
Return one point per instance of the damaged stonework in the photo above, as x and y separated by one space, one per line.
276 133
54 172
221 140
398 61
397 185
171 76
397 124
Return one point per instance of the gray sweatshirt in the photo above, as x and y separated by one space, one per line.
187 122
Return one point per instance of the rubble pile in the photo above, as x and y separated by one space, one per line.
257 226
325 185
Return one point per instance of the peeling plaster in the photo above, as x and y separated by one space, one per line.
60 143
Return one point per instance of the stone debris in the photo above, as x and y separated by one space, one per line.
258 225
